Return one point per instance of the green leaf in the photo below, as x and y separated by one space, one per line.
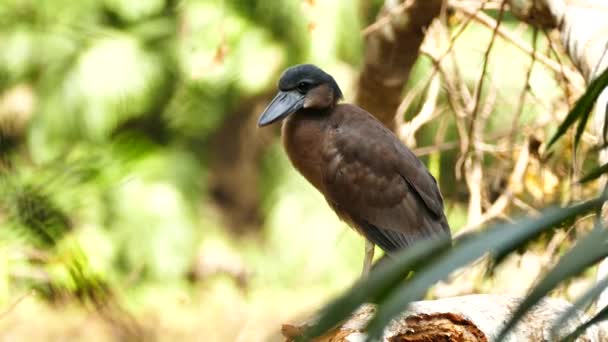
580 304
594 174
585 253
39 216
582 108
497 240
580 128
381 280
600 316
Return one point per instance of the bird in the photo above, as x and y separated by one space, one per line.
368 176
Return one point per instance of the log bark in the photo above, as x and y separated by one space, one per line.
472 318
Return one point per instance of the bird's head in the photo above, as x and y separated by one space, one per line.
303 86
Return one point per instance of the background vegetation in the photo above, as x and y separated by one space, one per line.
140 201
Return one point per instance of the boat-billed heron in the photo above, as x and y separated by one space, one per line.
367 175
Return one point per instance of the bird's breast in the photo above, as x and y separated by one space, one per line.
303 139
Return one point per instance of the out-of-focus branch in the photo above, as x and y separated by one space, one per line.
514 186
390 52
386 18
489 22
436 46
582 24
474 156
524 91
407 131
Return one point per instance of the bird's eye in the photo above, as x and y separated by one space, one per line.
303 87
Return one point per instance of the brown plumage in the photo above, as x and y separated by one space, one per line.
368 176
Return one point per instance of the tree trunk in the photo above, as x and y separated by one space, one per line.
391 49
237 149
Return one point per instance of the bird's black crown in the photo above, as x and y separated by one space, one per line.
307 73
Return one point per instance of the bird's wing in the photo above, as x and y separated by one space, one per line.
376 183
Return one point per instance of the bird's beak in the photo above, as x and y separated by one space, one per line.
285 103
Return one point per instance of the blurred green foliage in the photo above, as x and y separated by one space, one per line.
107 174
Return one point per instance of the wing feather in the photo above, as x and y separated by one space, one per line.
376 183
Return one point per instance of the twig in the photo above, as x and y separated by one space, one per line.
411 95
514 186
486 59
385 19
482 18
15 303
426 150
472 161
490 5
441 131
408 130
524 91
524 206
437 60
562 69
558 240
449 145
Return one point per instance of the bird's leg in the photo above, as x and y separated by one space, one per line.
368 258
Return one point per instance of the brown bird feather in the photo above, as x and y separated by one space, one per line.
367 175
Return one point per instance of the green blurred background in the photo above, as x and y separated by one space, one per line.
133 172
